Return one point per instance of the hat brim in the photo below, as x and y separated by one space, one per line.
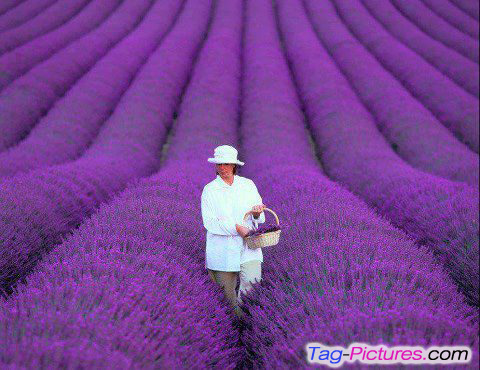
213 160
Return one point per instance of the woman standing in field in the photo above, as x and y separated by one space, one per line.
224 202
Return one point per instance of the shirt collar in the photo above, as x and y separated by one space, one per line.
223 184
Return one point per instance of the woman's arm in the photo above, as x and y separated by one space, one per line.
224 226
258 201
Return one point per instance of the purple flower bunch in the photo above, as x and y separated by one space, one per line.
264 228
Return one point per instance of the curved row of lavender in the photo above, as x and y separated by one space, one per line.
54 16
117 299
437 28
289 299
69 127
170 192
463 71
453 106
450 13
468 6
21 59
28 98
22 13
40 206
436 212
412 131
169 314
7 5
466 51
340 273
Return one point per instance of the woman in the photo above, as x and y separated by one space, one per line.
224 202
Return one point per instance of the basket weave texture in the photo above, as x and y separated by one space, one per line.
266 239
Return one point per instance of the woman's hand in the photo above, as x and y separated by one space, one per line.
242 230
256 210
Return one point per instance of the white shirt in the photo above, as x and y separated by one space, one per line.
223 206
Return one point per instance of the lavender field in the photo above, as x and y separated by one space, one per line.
358 121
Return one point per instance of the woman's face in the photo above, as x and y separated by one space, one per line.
225 169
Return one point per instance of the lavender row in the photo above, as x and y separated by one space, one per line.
23 12
468 6
112 298
412 131
7 5
340 273
54 16
436 212
67 130
41 206
207 117
463 71
453 106
438 29
24 101
18 61
146 223
451 14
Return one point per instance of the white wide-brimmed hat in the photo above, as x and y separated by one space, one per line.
225 154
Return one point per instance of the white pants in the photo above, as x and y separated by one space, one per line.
250 272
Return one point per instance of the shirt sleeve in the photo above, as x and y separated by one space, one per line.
258 200
213 223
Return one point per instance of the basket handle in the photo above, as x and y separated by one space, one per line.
265 209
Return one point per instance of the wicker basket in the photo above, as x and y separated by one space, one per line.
266 239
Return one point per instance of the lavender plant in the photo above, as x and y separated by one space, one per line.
469 7
453 106
21 59
29 97
52 17
114 296
66 131
335 277
437 28
265 228
41 206
154 312
128 287
451 14
438 213
7 5
463 70
411 129
22 12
